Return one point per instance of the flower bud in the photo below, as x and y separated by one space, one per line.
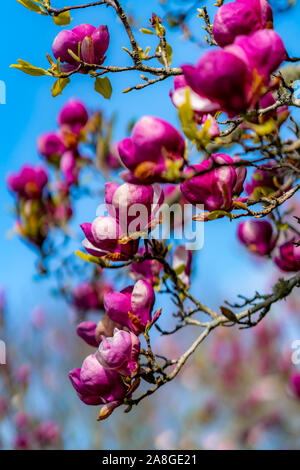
147 270
241 17
69 168
93 43
222 78
263 50
96 385
86 331
217 185
258 236
29 183
51 146
102 238
47 433
153 145
133 205
288 258
120 352
73 116
295 384
132 306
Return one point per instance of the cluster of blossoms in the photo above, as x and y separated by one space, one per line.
29 435
105 376
41 205
43 193
60 148
234 78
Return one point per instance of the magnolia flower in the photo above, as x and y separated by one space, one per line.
96 385
135 206
51 146
217 186
29 183
263 51
103 239
241 17
89 295
69 168
147 270
86 331
203 108
120 352
295 383
288 257
132 306
235 77
152 148
221 78
258 236
73 116
47 433
92 43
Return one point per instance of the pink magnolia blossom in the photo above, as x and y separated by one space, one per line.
73 116
132 306
103 239
263 51
86 331
203 108
217 186
51 146
241 17
147 270
135 206
288 257
96 385
258 236
221 78
295 383
47 433
69 167
89 295
153 146
235 77
29 183
120 352
93 43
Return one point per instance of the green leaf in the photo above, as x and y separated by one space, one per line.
168 51
31 5
217 214
146 31
63 19
103 86
180 269
30 69
59 86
